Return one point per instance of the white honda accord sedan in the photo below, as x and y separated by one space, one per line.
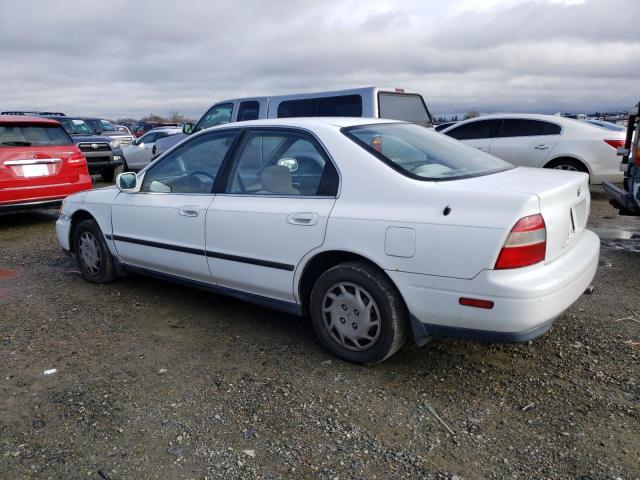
379 230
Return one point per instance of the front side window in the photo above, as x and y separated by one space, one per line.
192 167
474 130
522 127
277 162
249 110
75 126
217 115
32 135
404 106
422 153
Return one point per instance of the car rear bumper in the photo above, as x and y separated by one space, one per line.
526 300
41 196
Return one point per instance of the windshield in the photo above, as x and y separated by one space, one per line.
75 126
421 153
32 135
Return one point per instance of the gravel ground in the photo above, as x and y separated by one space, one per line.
159 381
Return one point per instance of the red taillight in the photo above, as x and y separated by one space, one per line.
615 143
77 159
525 245
637 161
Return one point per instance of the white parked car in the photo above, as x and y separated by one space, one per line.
548 141
379 229
138 155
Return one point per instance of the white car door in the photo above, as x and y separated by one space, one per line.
138 154
280 190
525 142
161 226
478 133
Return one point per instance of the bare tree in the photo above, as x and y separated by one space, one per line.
471 114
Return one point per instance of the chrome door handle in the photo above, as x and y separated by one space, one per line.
541 147
303 218
189 210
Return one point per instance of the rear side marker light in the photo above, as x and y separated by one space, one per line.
526 244
475 302
615 143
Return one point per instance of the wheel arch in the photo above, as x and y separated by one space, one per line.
77 217
568 157
320 262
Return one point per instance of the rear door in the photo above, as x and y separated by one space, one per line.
478 134
35 160
525 142
281 188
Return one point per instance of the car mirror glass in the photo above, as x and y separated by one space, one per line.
187 128
127 181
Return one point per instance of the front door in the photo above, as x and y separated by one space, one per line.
274 208
161 226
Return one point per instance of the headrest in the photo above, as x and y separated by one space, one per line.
277 179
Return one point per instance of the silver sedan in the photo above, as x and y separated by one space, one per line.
139 153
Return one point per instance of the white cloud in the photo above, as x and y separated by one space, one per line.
131 58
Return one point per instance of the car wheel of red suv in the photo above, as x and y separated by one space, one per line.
92 254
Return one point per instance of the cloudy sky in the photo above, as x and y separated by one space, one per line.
123 58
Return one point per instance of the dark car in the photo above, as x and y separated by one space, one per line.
103 127
103 154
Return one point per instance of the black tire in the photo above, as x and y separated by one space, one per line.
393 322
110 174
567 164
103 271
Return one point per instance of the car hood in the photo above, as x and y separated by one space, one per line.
90 138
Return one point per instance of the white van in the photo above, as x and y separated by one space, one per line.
373 102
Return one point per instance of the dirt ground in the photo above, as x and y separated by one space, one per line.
160 381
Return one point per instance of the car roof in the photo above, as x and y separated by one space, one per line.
26 119
306 122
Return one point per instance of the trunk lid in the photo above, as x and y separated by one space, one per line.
563 197
37 166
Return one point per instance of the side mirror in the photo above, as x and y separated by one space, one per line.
127 181
187 128
290 163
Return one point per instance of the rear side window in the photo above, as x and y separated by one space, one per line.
282 162
522 127
32 135
341 106
403 106
249 110
474 130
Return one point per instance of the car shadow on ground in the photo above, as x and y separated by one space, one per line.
27 218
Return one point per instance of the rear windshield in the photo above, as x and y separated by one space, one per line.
32 135
404 106
422 153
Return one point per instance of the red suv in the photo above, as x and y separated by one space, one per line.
39 164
